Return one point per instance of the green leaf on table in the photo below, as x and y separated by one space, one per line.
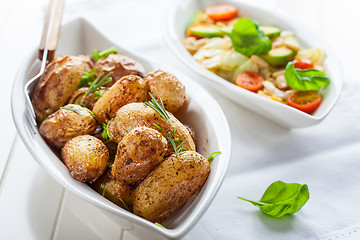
248 39
282 199
305 80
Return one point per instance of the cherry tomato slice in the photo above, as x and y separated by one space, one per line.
303 64
306 101
221 12
251 81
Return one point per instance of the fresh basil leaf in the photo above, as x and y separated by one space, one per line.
248 39
305 80
282 199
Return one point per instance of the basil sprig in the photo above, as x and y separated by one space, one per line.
305 80
248 39
282 199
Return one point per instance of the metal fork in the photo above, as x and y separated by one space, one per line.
47 50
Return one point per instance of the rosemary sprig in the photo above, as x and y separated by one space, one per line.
158 224
105 127
78 111
212 156
178 150
96 84
158 107
157 126
103 54
102 189
105 133
125 205
91 113
87 78
98 95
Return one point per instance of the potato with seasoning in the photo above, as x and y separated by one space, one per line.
116 192
135 115
168 88
192 133
56 85
128 89
170 185
67 123
139 152
89 101
120 65
86 157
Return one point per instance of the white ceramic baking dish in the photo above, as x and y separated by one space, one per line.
288 117
203 113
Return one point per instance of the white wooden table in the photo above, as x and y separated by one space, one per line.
32 204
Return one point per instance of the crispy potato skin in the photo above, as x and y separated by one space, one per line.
56 85
170 185
139 152
86 157
88 61
120 65
114 190
63 125
165 86
128 89
192 133
135 115
89 100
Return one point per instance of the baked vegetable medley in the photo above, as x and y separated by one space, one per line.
262 59
115 129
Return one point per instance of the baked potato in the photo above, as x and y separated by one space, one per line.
114 190
135 115
88 61
86 157
192 133
168 88
139 152
89 100
120 65
56 85
67 123
170 185
128 89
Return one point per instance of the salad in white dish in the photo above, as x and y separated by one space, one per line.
263 59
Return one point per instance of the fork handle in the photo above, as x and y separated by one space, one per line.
51 31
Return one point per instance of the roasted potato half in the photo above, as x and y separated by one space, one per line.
139 152
116 192
56 85
168 88
135 115
170 185
88 61
120 65
86 157
128 89
192 133
66 123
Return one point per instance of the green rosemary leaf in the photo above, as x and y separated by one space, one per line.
125 205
